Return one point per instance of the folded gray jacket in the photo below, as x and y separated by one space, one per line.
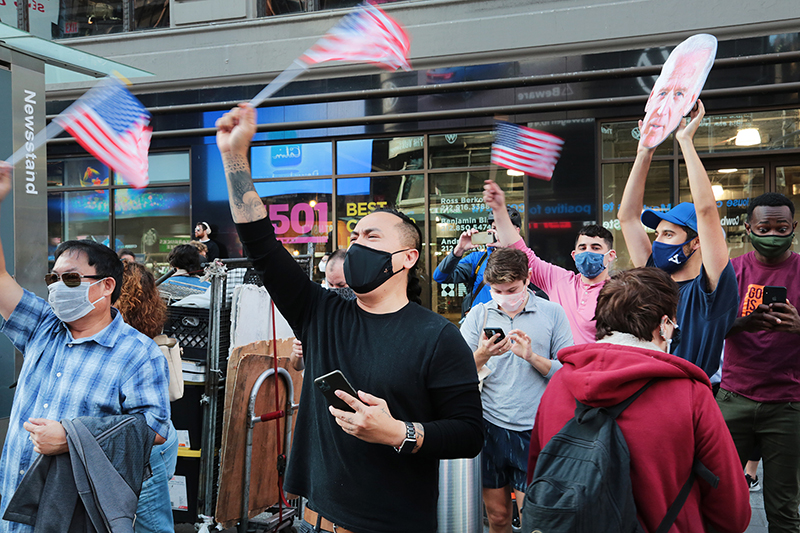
93 488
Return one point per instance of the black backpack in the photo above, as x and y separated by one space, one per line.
582 481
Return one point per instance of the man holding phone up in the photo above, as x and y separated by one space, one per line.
375 469
760 387
469 269
517 362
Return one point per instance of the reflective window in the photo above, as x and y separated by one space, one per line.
379 155
766 130
151 222
165 168
150 14
301 214
77 215
77 172
458 150
456 205
733 190
77 18
657 195
285 160
620 140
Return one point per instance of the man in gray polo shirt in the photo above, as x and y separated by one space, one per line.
516 367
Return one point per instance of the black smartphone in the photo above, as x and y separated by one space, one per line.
330 383
494 331
774 295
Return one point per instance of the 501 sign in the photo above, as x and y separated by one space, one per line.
301 219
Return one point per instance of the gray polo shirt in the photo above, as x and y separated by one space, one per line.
511 393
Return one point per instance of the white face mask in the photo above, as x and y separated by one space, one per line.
71 303
509 302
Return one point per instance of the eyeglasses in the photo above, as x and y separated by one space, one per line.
70 279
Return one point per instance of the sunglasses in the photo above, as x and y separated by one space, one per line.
70 279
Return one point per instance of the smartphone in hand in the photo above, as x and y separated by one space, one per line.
330 383
483 237
494 331
774 295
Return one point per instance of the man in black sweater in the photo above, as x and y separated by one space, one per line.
375 469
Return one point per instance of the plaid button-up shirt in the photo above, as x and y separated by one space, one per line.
116 371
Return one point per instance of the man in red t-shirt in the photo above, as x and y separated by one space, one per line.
761 371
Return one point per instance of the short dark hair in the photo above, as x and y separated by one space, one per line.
513 214
101 257
126 252
769 199
411 236
634 301
185 256
506 265
338 255
593 230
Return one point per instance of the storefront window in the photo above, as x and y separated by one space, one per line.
379 155
456 205
766 130
733 190
460 150
291 160
151 222
621 139
77 18
77 172
658 196
173 167
300 211
77 215
150 14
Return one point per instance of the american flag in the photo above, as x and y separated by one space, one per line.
526 150
112 125
367 34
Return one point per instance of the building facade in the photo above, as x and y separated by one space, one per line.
345 139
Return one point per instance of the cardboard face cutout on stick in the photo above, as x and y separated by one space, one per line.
677 87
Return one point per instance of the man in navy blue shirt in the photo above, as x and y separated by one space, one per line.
457 268
708 288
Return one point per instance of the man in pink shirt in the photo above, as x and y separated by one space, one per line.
576 293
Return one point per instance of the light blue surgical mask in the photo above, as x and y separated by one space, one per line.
590 264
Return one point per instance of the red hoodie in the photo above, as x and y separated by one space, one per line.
671 423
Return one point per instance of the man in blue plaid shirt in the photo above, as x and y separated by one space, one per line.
81 358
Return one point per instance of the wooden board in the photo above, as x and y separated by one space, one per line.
244 366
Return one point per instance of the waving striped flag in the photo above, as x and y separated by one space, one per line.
112 125
367 34
526 150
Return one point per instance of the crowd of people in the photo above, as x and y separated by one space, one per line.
507 383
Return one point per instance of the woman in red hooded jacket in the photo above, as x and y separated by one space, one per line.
673 422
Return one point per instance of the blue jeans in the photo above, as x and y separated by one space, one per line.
154 513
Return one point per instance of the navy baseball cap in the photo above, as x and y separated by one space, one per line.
682 214
513 214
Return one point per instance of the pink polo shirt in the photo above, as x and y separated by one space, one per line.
566 288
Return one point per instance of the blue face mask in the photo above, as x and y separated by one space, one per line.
669 257
590 264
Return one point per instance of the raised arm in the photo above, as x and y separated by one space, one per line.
712 238
630 207
495 198
10 291
235 130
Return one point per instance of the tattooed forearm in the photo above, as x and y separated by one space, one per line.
246 205
420 436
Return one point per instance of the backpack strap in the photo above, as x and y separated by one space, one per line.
475 276
698 468
615 411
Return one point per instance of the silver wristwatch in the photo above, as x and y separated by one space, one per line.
411 439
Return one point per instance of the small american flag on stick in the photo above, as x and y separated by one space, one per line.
526 150
367 34
112 125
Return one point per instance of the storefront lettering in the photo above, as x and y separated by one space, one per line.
301 218
362 209
730 221
30 156
560 209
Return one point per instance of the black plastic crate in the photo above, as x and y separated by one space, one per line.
190 327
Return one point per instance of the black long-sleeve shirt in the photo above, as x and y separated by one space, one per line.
413 358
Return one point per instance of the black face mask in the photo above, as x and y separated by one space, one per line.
366 269
345 293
